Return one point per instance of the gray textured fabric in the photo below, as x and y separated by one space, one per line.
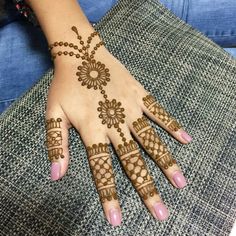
193 78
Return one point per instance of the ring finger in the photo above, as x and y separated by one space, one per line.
158 151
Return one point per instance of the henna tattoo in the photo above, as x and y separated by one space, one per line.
94 74
91 73
55 153
111 113
101 167
136 169
54 139
53 124
159 112
153 144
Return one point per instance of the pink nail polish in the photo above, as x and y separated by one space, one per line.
179 179
186 136
115 217
161 211
55 170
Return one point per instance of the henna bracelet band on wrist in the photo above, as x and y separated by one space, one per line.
25 10
81 52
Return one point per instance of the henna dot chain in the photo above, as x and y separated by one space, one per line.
94 75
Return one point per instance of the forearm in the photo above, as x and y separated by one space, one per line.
56 17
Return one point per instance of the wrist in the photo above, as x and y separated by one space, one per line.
56 18
77 48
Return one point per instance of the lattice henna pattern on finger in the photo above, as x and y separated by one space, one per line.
159 112
94 75
100 163
54 139
136 169
153 144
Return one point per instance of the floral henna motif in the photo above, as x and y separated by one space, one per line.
136 169
91 73
101 167
94 74
111 113
54 139
153 144
159 112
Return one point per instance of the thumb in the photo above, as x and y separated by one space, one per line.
57 143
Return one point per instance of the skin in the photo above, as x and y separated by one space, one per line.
76 105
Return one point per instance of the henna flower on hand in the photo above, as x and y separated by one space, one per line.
93 74
111 113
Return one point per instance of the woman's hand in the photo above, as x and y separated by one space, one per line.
93 92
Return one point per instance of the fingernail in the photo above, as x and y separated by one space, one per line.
179 179
186 136
115 217
161 211
55 171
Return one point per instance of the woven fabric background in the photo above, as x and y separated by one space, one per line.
193 78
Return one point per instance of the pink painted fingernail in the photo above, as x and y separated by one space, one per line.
179 179
55 170
161 211
115 217
186 136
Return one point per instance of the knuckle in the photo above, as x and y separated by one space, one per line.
133 113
